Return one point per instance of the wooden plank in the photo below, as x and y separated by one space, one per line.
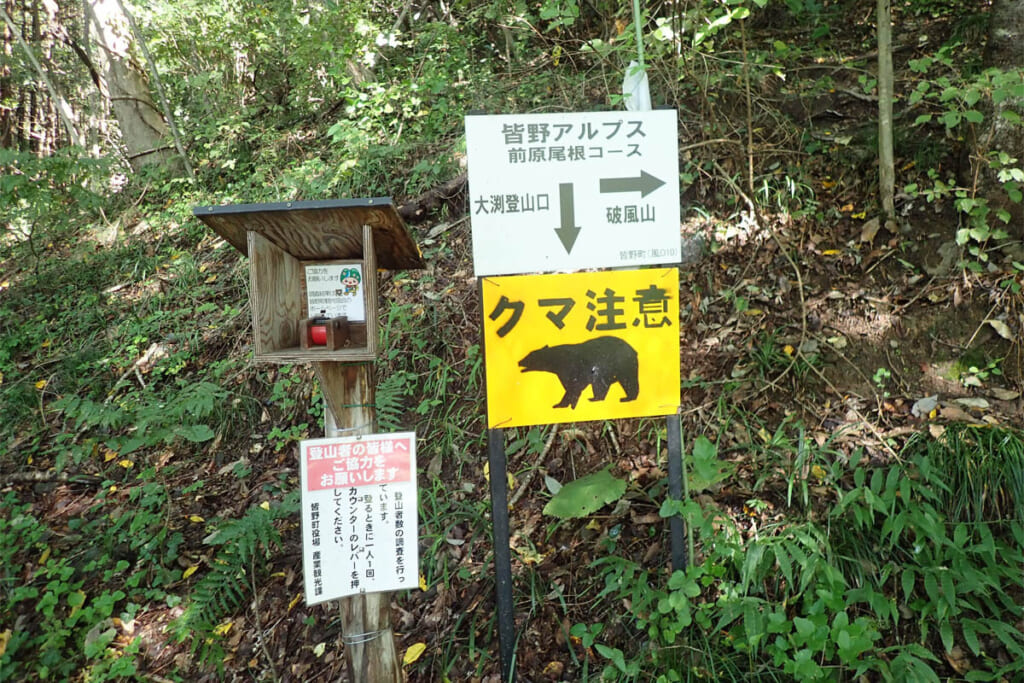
319 230
275 296
318 354
370 282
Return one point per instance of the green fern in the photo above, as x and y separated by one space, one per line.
245 545
389 401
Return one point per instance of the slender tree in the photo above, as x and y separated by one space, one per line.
886 172
63 107
7 99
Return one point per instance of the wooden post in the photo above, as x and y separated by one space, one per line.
370 654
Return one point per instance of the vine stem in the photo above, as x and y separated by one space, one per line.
257 609
639 33
533 471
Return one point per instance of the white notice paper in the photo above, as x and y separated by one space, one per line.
359 522
336 289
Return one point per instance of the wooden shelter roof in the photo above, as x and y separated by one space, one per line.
319 230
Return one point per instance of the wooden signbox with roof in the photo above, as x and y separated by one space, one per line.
288 245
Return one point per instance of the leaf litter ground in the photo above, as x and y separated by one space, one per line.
749 348
736 360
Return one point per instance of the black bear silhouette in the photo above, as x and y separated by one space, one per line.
598 362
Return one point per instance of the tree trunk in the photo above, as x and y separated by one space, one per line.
1005 50
1005 47
144 131
886 172
8 121
168 114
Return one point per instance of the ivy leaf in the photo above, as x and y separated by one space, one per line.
617 658
1010 115
706 469
585 495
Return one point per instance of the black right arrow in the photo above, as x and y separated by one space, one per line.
645 184
569 230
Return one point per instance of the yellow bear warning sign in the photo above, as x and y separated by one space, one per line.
581 346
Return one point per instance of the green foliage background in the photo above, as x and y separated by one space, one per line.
125 379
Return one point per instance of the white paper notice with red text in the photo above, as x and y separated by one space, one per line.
359 517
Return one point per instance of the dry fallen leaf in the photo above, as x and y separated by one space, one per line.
958 659
870 229
1001 328
973 403
529 556
1001 394
413 653
553 670
955 414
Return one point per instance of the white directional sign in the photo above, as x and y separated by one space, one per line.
562 192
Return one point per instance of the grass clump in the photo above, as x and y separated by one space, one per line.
921 556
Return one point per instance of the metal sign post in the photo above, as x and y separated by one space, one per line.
676 526
502 551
